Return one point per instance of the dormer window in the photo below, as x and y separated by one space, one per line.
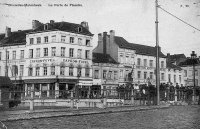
79 29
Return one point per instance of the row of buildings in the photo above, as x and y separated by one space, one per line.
59 55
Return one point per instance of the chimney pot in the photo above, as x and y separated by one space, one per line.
7 32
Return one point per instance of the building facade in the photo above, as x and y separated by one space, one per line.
136 60
48 58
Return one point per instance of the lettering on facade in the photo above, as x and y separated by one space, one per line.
42 61
75 61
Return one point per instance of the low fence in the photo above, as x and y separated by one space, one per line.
80 97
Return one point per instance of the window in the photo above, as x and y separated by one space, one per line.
52 70
145 62
31 40
79 53
38 40
185 73
196 72
71 52
78 72
174 79
45 71
104 74
21 70
162 76
138 61
87 42
145 75
22 54
115 75
7 54
151 75
14 70
14 54
139 74
87 72
79 29
79 41
121 73
46 39
180 79
169 77
30 53
127 59
87 54
71 69
45 51
121 59
53 51
0 55
53 38
37 52
62 51
151 63
37 71
30 71
96 74
63 38
110 75
71 39
62 70
162 64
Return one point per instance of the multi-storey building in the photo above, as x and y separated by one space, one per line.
189 65
134 59
186 75
47 58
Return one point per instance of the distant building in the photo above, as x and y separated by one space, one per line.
176 59
187 66
47 58
139 60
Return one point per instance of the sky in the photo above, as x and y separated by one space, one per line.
132 19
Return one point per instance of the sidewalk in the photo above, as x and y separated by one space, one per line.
45 113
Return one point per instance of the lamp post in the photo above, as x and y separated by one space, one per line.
157 56
193 57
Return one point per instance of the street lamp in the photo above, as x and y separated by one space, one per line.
193 57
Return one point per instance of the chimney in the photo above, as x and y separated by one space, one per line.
104 42
36 24
112 33
100 37
52 21
7 32
85 25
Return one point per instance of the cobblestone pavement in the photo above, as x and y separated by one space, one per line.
176 117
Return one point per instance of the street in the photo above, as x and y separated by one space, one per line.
181 117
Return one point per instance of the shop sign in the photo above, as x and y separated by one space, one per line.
75 61
42 61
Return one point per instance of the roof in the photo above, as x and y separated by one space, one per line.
102 58
5 82
190 61
140 49
19 37
172 66
177 56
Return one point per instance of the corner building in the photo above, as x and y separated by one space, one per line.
49 58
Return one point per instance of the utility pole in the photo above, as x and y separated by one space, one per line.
157 56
